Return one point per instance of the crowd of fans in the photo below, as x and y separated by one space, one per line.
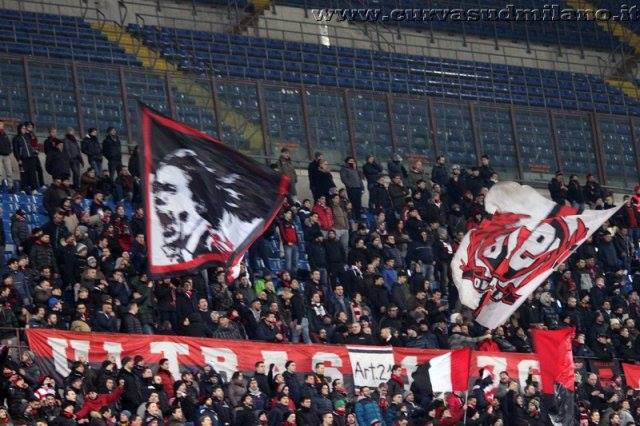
378 274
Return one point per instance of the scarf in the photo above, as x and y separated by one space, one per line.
319 310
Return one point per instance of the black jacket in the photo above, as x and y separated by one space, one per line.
131 324
22 148
132 394
5 144
91 148
112 148
57 163
371 171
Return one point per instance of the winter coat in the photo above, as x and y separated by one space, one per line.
22 148
350 177
132 393
91 148
380 198
367 411
325 183
372 171
112 149
5 144
325 216
398 193
131 324
72 148
57 163
42 255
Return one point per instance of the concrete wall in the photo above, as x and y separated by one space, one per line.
293 24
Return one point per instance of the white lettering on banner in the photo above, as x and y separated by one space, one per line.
170 351
495 364
523 371
59 352
114 350
331 370
410 365
80 349
370 367
223 360
277 358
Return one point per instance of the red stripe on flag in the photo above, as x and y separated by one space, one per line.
460 365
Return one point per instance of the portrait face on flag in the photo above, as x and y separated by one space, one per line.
206 203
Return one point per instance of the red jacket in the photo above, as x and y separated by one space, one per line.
167 381
288 234
100 401
325 216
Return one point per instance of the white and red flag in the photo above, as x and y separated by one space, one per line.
450 372
504 259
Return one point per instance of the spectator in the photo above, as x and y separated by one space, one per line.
314 175
91 148
350 177
27 158
6 148
286 167
112 151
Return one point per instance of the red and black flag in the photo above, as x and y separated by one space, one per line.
206 203
557 372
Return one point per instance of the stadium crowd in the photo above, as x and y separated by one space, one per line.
378 275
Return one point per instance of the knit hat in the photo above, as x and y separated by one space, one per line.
339 404
125 413
53 302
80 247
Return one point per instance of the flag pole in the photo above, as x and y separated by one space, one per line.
466 399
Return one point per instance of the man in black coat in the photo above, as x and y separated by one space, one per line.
439 173
112 150
72 149
186 299
91 148
193 326
132 394
261 377
130 322
57 162
105 320
267 331
314 174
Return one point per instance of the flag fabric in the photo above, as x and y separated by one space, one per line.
632 375
557 373
485 381
206 203
504 259
450 372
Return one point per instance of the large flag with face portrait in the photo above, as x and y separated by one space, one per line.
504 259
206 203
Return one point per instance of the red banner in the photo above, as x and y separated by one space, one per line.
359 365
